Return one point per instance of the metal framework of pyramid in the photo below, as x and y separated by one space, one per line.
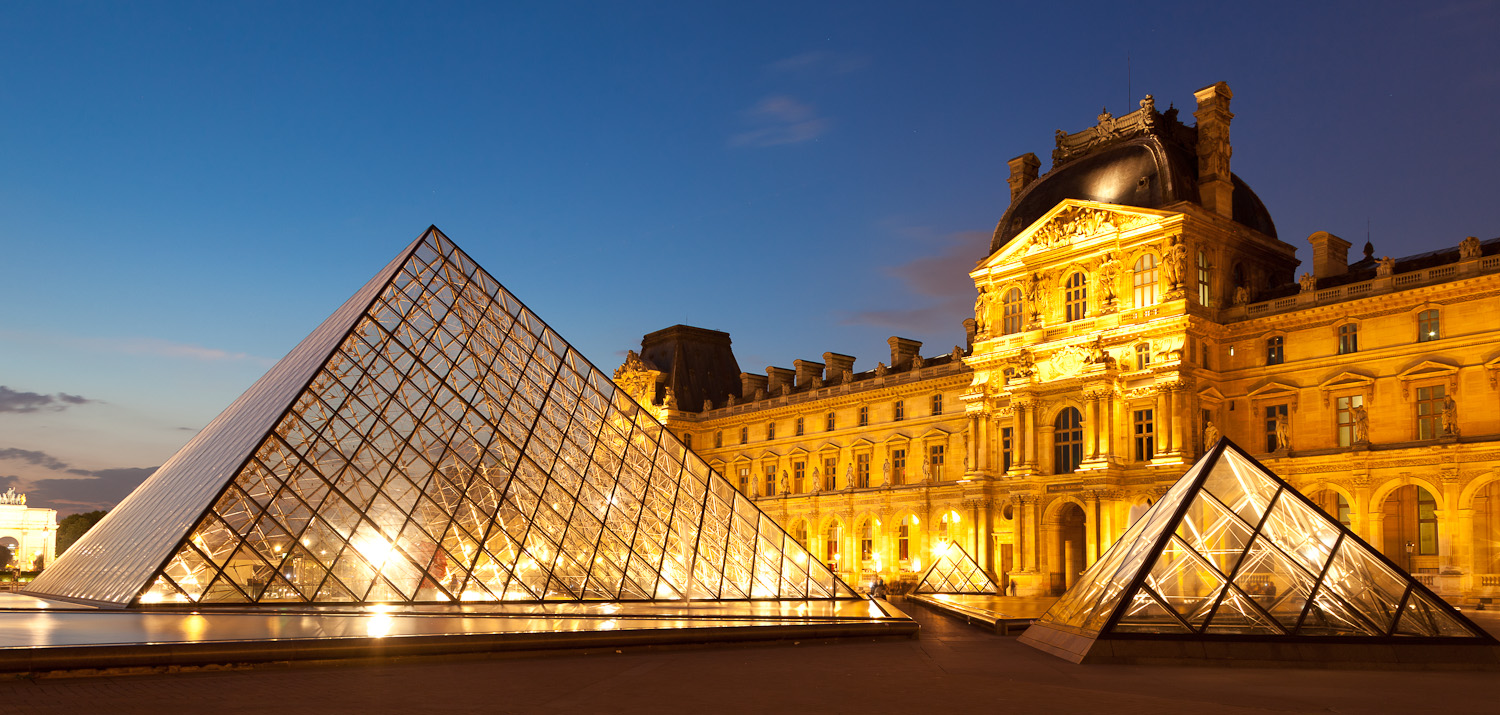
955 571
434 441
1233 554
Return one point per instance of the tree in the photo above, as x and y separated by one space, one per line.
73 527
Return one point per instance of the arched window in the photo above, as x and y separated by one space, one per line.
1011 321
1142 355
1076 297
903 538
831 538
867 541
1067 441
1145 280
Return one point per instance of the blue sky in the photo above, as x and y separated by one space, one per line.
188 189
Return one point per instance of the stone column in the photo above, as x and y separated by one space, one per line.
1163 430
1090 421
971 449
1091 529
1176 404
1107 424
1463 551
1045 437
1018 422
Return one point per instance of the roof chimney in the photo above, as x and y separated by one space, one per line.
1330 254
750 383
1215 190
837 364
1022 172
807 371
779 376
903 350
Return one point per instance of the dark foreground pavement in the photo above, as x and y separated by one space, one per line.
951 668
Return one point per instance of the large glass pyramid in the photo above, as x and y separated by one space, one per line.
1233 552
955 571
434 441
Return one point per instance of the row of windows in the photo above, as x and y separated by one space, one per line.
898 413
1067 434
799 482
1076 296
1428 328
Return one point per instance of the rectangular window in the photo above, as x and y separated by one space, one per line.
719 439
1426 523
1344 410
830 473
903 546
864 416
1273 414
801 423
1145 436
1348 338
862 470
866 545
898 413
770 430
1274 354
1005 448
687 440
799 472
1427 326
1430 411
828 423
1205 291
937 404
745 481
898 466
936 457
744 435
770 480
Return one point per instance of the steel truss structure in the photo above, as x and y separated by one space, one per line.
955 571
1233 553
434 441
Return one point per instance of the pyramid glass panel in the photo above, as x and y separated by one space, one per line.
432 441
1233 552
955 571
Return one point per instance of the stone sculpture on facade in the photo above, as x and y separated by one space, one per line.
926 469
981 313
1108 276
1283 433
1241 295
1385 267
1469 249
1308 282
848 476
786 484
1210 434
11 498
1361 425
885 474
708 405
817 481
1450 417
1174 263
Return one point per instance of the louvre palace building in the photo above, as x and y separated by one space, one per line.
1136 304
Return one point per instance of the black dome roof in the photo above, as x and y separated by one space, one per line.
1147 171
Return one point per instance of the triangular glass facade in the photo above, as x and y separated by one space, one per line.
1232 550
955 571
443 444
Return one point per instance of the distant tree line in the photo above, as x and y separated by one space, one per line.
72 528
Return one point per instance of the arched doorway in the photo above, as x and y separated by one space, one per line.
1410 530
10 552
1487 533
1072 548
1332 503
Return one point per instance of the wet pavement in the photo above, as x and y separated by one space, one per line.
951 668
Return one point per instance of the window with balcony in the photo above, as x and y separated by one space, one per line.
1012 310
1145 281
1076 297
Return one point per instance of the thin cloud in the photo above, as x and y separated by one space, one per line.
19 401
138 346
103 490
34 458
778 120
942 278
821 62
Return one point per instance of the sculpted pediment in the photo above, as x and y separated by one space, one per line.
1274 390
1073 221
1427 368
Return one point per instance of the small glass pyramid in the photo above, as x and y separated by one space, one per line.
955 571
1232 551
435 441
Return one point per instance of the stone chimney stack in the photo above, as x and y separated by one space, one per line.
779 376
903 350
807 370
837 364
749 383
1215 190
1023 171
1330 254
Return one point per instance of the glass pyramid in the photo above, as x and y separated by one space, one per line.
1233 551
955 571
434 441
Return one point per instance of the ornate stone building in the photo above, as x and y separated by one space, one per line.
28 533
1136 304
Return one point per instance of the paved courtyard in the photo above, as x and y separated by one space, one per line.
951 668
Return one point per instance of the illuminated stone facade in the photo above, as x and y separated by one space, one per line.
29 533
1135 305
